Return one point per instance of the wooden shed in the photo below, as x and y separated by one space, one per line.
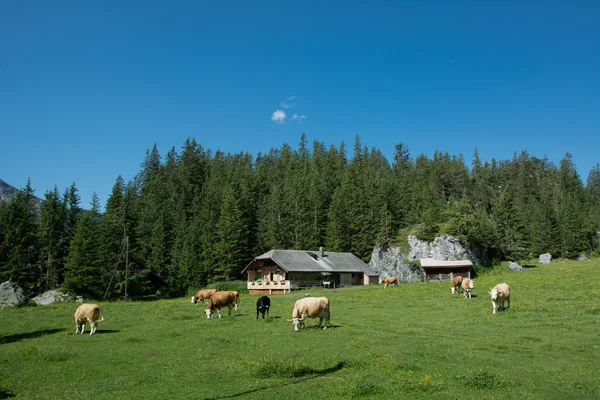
441 270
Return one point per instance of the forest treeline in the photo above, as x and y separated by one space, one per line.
196 216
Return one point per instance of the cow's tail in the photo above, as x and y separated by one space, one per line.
101 315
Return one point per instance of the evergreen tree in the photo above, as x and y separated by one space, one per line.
52 226
84 273
231 238
21 242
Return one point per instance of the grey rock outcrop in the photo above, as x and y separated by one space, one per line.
390 262
545 258
582 257
54 296
514 266
447 248
11 295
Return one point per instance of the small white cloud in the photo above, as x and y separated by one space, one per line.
299 118
288 105
278 116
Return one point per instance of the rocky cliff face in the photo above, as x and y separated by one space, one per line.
446 248
7 192
390 262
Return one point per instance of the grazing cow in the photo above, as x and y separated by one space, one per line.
467 286
263 304
218 301
456 282
500 293
312 307
202 295
392 280
236 294
87 313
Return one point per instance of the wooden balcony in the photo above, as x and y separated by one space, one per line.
266 285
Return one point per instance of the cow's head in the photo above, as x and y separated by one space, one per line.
494 294
209 313
452 289
471 284
194 300
298 323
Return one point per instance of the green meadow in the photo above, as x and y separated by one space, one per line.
416 340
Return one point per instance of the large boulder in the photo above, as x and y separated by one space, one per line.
545 258
11 295
514 266
389 261
446 248
54 296
582 257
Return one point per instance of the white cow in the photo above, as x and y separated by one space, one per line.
87 313
500 293
467 286
311 307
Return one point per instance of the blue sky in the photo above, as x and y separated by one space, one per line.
87 87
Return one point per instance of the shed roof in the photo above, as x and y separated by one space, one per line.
431 263
312 261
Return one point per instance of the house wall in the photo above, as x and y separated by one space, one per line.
445 274
370 280
345 279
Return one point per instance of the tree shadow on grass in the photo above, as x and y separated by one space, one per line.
314 373
4 394
28 335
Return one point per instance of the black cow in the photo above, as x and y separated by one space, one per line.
263 304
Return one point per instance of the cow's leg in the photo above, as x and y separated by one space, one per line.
494 306
76 327
219 310
230 310
92 328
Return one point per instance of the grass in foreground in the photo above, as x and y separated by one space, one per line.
414 340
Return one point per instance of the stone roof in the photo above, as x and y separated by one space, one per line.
312 261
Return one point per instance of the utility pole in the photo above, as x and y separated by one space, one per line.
126 266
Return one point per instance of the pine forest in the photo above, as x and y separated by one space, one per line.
194 216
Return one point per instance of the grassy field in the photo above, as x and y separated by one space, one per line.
415 340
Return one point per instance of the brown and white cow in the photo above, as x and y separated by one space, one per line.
467 287
311 307
456 282
219 300
203 294
87 313
500 293
392 280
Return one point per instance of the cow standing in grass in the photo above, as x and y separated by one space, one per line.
87 313
392 280
467 286
499 294
219 300
263 304
204 294
456 282
311 307
236 294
